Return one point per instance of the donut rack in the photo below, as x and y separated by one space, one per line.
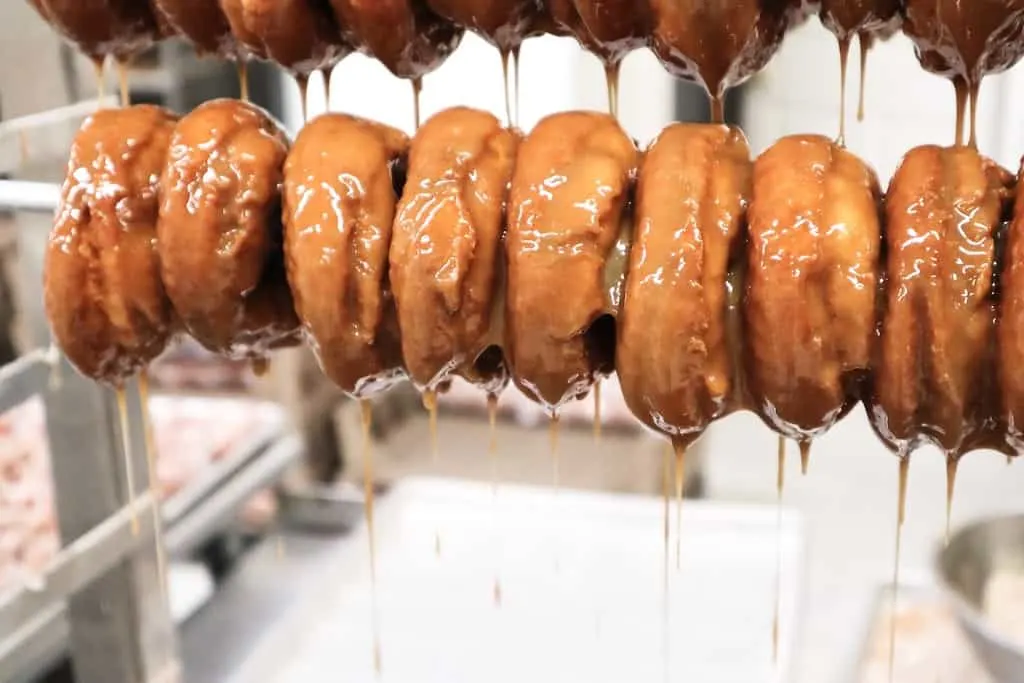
101 598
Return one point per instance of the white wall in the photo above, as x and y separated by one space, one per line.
556 76
30 71
906 106
798 92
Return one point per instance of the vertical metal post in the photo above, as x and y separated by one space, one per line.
121 629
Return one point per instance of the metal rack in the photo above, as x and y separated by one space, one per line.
101 597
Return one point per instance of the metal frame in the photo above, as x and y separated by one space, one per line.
120 628
34 621
101 597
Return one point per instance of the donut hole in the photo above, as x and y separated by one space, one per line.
399 173
599 341
856 386
490 365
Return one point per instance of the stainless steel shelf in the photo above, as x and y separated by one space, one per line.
26 195
100 598
31 613
240 459
34 618
117 624
25 378
221 500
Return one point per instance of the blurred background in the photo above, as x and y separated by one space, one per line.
835 547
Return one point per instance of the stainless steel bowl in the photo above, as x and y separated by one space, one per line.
975 556
328 509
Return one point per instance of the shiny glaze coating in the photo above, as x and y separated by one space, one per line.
966 39
165 29
1011 325
718 44
300 35
618 26
339 207
446 256
504 23
122 28
812 277
678 345
868 18
102 290
203 23
611 29
405 35
219 233
571 185
801 10
933 370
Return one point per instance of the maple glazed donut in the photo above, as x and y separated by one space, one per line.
219 233
103 294
934 370
566 250
678 346
811 282
446 254
339 208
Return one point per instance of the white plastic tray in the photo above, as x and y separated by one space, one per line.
583 580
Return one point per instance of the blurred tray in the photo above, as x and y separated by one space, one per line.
334 508
582 580
930 646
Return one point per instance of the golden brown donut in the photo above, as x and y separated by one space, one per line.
717 44
300 35
934 374
503 23
104 299
405 35
339 207
611 29
570 190
219 233
1011 325
811 282
446 252
122 28
964 41
203 23
678 353
869 19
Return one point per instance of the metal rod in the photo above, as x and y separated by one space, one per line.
120 627
223 504
24 378
77 565
58 115
24 195
215 475
34 647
